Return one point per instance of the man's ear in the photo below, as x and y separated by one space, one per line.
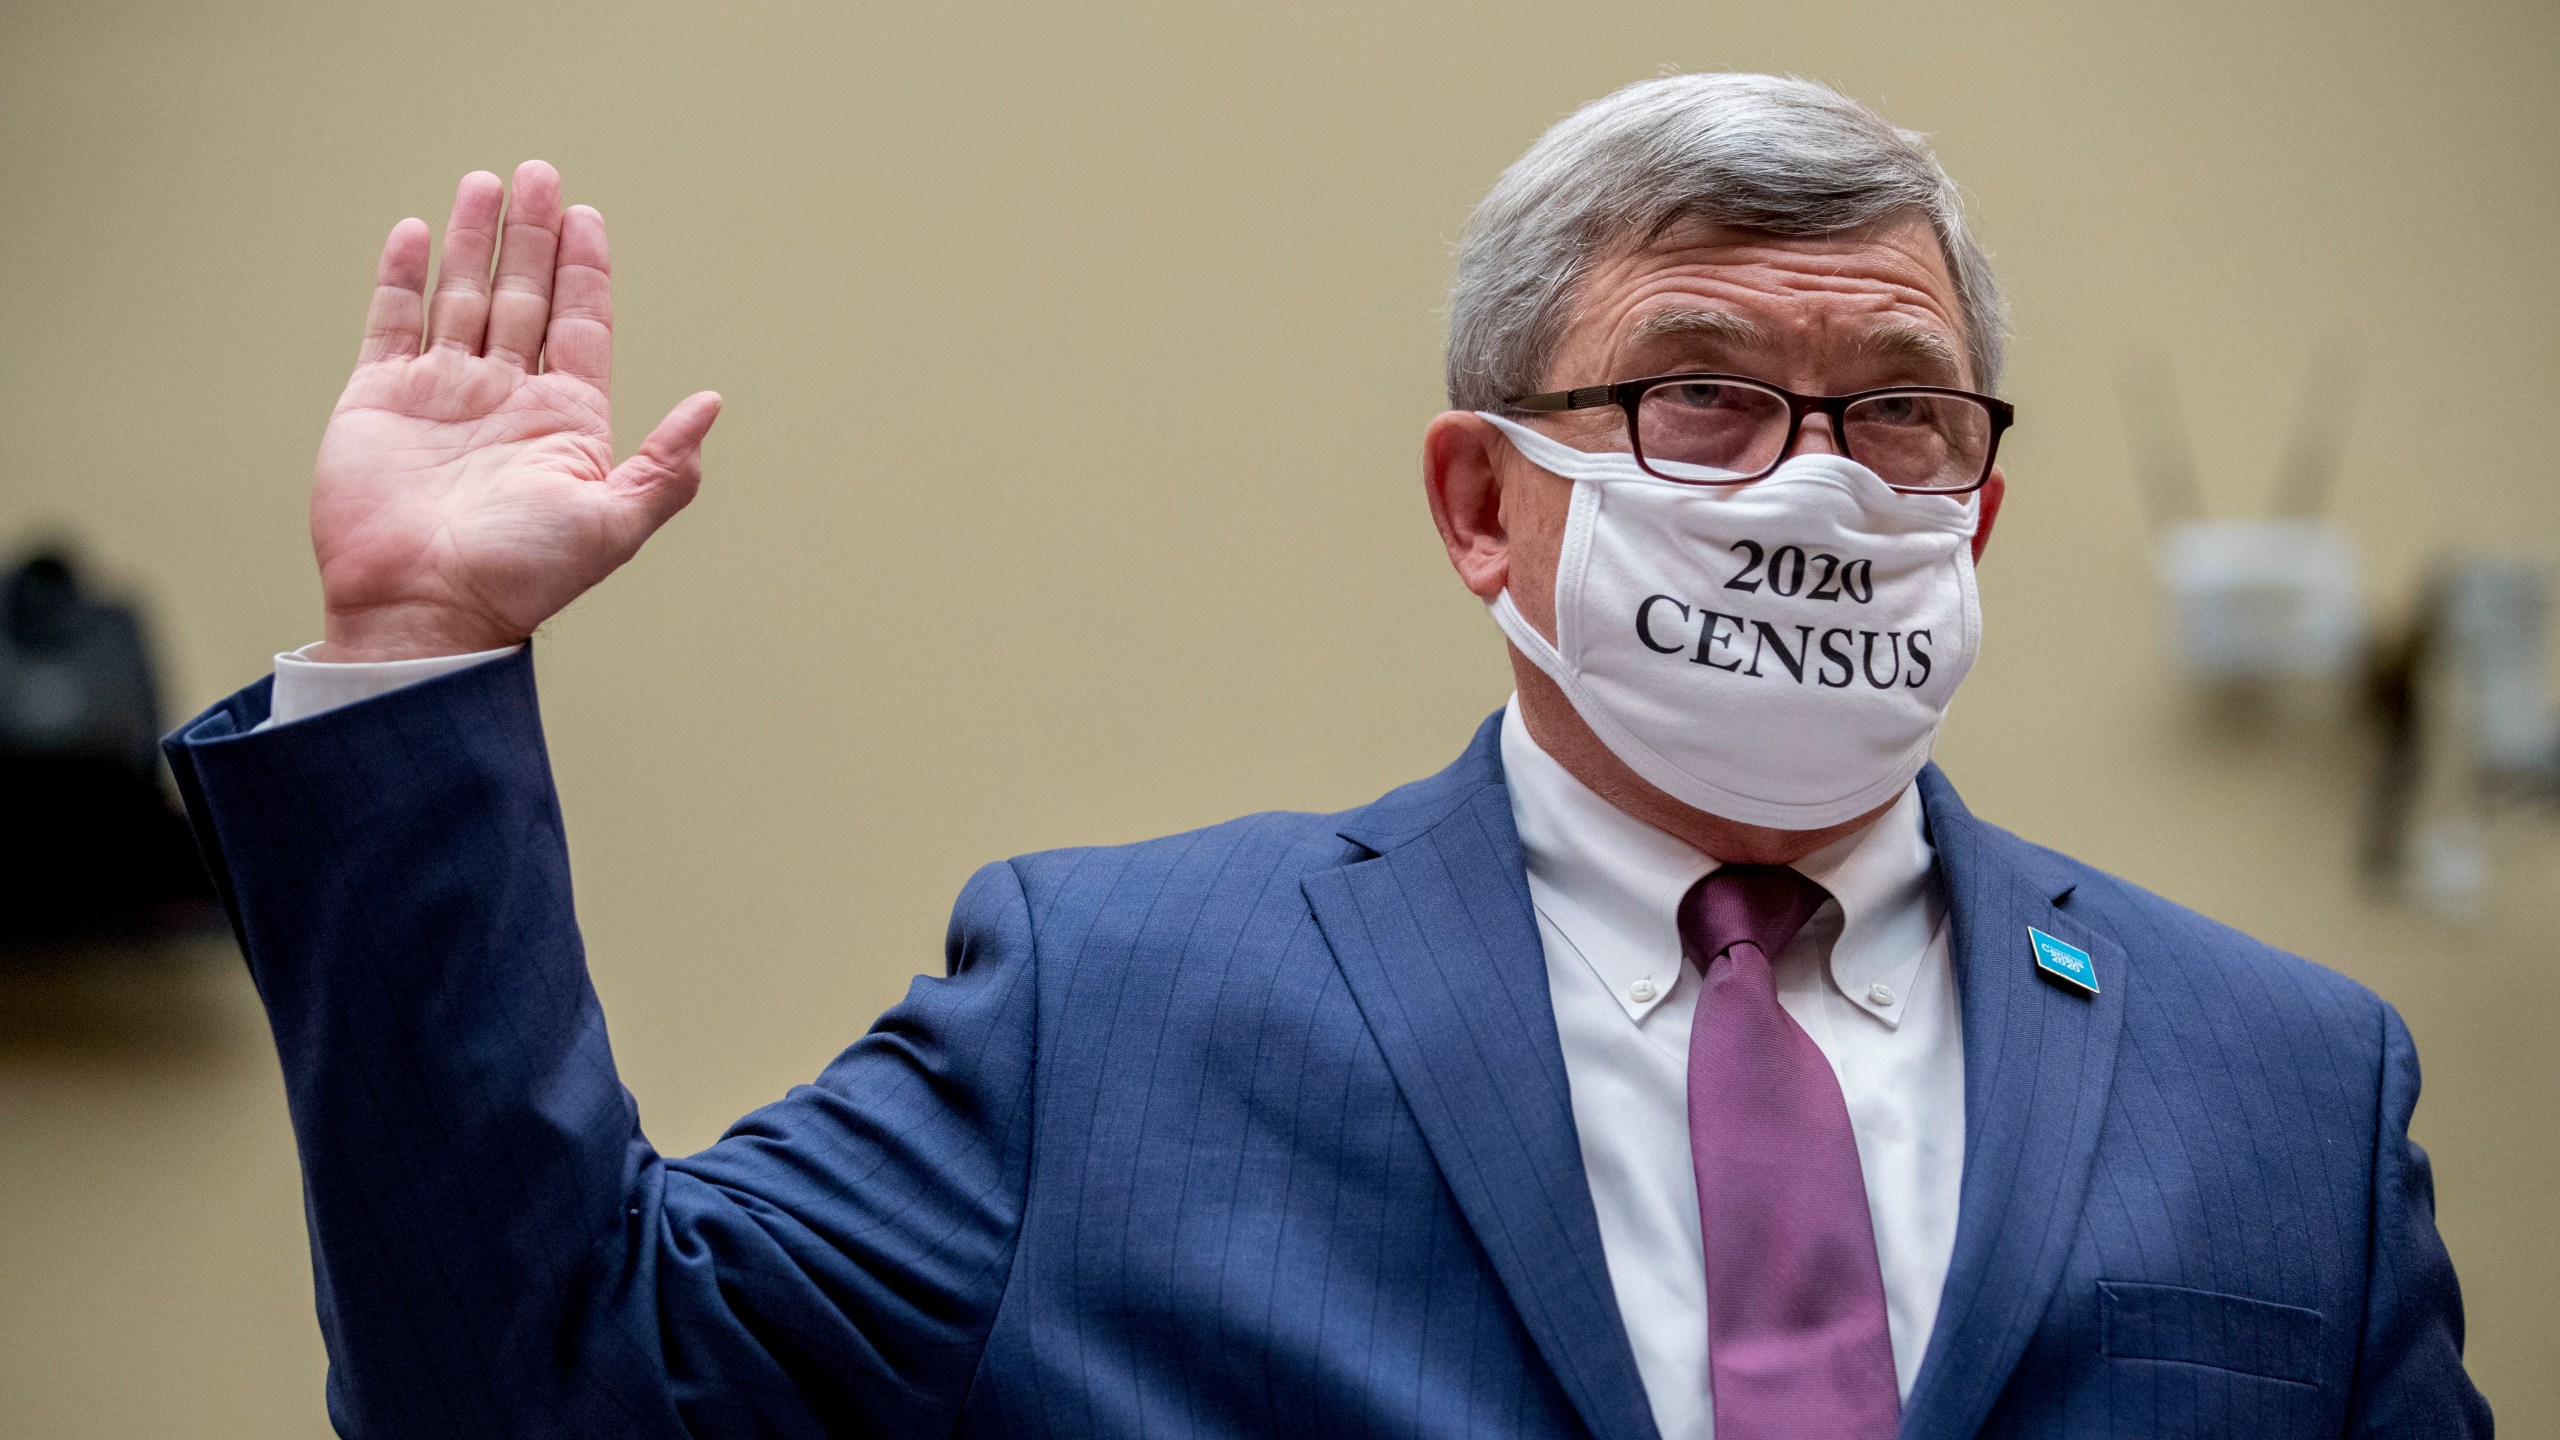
1461 477
1993 491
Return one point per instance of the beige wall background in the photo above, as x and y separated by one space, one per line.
1076 359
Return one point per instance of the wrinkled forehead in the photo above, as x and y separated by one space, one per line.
1881 294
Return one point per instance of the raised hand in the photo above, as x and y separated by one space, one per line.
466 490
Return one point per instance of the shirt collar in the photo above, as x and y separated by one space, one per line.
1611 884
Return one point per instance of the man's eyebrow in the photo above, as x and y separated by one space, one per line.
1713 325
1905 342
1912 342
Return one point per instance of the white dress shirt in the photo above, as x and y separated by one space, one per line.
306 687
1867 978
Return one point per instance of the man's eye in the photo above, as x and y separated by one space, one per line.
1700 396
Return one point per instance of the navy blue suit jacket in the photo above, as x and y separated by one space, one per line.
1257 1130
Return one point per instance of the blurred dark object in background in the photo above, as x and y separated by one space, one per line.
91 845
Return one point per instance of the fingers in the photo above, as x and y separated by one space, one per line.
580 342
399 296
459 314
668 469
520 296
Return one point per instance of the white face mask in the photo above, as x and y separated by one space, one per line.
1778 653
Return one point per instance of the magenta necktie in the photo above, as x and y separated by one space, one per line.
1797 1347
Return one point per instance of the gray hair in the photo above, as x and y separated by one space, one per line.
1759 152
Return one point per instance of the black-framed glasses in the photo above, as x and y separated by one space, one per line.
1728 429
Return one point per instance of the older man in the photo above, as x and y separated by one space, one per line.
1682 1060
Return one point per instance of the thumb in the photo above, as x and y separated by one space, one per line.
662 476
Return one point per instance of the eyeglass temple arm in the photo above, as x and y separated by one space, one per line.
1548 402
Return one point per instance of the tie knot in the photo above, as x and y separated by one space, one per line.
1764 904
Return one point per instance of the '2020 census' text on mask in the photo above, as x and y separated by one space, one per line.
1781 652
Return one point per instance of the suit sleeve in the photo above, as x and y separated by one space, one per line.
2409 1375
497 1248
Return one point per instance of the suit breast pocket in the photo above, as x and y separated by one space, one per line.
2206 1327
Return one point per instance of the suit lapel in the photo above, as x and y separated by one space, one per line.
2039 1062
1435 937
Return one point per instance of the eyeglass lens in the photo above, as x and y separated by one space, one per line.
1915 442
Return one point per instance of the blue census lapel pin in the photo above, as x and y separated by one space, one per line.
2066 963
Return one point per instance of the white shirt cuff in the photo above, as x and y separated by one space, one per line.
306 687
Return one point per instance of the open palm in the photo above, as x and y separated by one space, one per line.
466 490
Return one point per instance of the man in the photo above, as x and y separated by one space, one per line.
1682 1060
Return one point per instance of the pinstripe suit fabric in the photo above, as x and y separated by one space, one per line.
1257 1130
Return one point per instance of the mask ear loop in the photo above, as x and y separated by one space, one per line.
1562 460
1586 470
1516 628
1573 560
